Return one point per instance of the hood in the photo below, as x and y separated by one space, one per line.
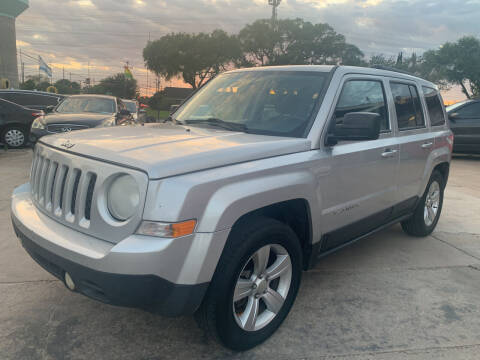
77 119
164 150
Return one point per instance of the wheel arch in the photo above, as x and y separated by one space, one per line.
295 213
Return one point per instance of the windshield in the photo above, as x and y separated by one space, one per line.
73 105
280 103
131 106
456 106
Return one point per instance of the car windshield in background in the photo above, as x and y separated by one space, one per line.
280 103
131 106
74 105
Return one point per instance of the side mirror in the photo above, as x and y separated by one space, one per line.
453 117
49 109
358 126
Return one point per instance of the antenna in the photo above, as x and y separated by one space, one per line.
274 4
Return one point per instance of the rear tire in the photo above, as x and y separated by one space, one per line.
259 307
428 210
14 137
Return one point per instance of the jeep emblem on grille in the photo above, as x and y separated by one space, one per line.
67 144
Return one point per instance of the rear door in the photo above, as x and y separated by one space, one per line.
359 191
415 139
465 124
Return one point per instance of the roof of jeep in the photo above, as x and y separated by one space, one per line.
343 70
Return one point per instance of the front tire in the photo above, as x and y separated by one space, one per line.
427 213
254 285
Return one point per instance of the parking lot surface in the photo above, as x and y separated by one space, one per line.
389 296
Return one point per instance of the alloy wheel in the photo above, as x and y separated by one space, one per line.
432 203
262 287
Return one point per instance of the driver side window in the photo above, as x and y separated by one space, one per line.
362 96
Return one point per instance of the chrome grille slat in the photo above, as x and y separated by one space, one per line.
81 199
67 196
57 189
49 185
37 177
43 178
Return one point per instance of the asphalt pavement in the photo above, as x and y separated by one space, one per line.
388 296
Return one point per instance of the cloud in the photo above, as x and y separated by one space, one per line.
106 33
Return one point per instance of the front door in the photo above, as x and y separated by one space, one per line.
359 191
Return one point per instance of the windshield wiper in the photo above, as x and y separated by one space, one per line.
219 123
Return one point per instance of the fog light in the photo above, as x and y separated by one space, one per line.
69 282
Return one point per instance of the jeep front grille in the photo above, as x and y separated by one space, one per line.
71 189
63 191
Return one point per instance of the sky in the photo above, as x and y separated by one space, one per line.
97 37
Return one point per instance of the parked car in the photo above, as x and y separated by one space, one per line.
79 112
39 100
15 122
137 112
465 123
258 175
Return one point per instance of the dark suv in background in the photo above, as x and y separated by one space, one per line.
465 124
15 123
32 99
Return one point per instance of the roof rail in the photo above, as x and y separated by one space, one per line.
389 68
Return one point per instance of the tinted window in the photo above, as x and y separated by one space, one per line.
362 96
470 111
407 106
7 106
28 99
46 100
434 106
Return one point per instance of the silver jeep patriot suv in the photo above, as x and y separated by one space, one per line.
219 210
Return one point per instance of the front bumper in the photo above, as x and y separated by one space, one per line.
167 276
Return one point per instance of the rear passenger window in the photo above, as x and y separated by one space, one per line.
434 106
362 96
408 106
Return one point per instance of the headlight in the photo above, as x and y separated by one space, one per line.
38 124
123 198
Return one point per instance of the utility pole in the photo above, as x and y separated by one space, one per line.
63 76
274 4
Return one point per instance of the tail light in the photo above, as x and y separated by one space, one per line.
37 114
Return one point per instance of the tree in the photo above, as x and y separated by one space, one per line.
67 87
195 57
295 41
36 82
116 85
456 63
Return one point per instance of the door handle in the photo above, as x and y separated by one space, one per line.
388 153
427 145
